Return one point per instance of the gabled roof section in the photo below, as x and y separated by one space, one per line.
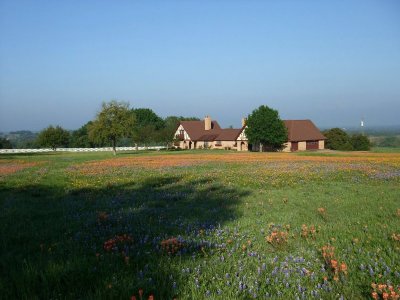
302 130
196 130
229 134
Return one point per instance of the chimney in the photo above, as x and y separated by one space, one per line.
207 123
244 120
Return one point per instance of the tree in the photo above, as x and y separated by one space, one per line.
264 127
53 137
148 123
360 142
5 144
146 116
337 139
80 137
112 123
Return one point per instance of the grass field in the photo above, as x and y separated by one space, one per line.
200 224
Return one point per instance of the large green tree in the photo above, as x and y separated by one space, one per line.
53 137
113 122
265 128
148 123
337 139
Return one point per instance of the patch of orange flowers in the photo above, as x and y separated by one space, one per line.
117 240
8 167
171 246
308 231
187 159
328 253
133 297
277 238
396 237
384 291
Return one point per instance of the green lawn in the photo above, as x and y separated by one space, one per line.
195 224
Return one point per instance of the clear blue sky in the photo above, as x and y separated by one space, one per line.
329 61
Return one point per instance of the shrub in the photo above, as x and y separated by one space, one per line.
360 142
337 139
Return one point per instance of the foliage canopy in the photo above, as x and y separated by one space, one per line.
360 142
337 139
112 123
53 137
265 127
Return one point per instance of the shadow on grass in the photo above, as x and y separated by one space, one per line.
106 242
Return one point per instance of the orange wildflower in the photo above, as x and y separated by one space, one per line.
385 295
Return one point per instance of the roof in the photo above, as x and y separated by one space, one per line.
298 130
196 131
302 130
229 134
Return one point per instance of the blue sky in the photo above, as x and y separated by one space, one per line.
330 61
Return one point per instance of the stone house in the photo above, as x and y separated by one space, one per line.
207 134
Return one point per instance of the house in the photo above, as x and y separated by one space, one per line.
207 134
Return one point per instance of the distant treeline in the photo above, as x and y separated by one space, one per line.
150 129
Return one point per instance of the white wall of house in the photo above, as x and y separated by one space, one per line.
185 134
242 136
321 144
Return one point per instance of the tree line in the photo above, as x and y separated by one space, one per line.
117 124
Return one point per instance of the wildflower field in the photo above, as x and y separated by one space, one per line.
200 225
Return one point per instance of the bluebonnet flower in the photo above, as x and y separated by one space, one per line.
371 271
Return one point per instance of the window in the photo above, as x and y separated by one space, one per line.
218 143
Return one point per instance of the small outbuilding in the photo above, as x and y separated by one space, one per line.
303 135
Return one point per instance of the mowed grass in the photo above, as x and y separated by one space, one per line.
199 224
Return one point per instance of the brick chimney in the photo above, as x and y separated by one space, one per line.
244 120
207 123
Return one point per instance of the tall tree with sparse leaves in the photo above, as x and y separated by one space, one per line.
53 137
265 128
112 123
